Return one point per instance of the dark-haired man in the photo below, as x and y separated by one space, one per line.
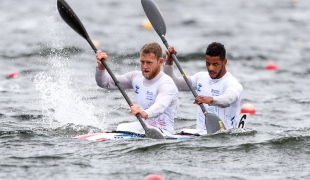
217 89
156 95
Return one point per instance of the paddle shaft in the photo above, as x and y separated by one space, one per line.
122 91
213 122
117 83
184 75
149 132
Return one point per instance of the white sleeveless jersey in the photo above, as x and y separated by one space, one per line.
145 97
206 86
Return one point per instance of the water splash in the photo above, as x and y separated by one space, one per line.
61 103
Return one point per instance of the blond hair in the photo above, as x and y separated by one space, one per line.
152 47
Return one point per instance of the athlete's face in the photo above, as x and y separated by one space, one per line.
216 67
150 65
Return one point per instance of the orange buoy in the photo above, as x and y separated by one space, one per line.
12 75
271 66
153 177
248 108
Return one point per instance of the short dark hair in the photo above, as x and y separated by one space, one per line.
216 49
152 47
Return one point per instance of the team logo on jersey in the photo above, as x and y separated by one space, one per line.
149 95
198 87
215 92
212 109
137 89
231 119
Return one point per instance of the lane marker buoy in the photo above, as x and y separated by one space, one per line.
147 24
248 108
12 75
271 66
153 177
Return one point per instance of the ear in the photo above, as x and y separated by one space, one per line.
161 61
225 61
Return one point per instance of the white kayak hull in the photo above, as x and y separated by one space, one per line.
117 135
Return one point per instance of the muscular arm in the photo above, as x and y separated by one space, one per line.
179 81
167 93
104 80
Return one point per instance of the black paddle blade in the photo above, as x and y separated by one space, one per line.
70 18
213 123
153 133
149 132
155 17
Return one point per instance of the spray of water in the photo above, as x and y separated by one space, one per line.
61 104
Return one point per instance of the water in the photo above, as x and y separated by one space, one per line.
55 96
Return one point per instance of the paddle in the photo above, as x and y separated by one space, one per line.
213 122
73 21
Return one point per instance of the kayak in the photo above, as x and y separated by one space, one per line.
118 135
181 135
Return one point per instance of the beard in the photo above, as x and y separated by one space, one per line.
152 73
217 76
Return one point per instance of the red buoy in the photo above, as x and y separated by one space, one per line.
153 177
248 108
12 75
271 66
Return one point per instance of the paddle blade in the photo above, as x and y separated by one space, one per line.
153 133
155 17
70 18
213 123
